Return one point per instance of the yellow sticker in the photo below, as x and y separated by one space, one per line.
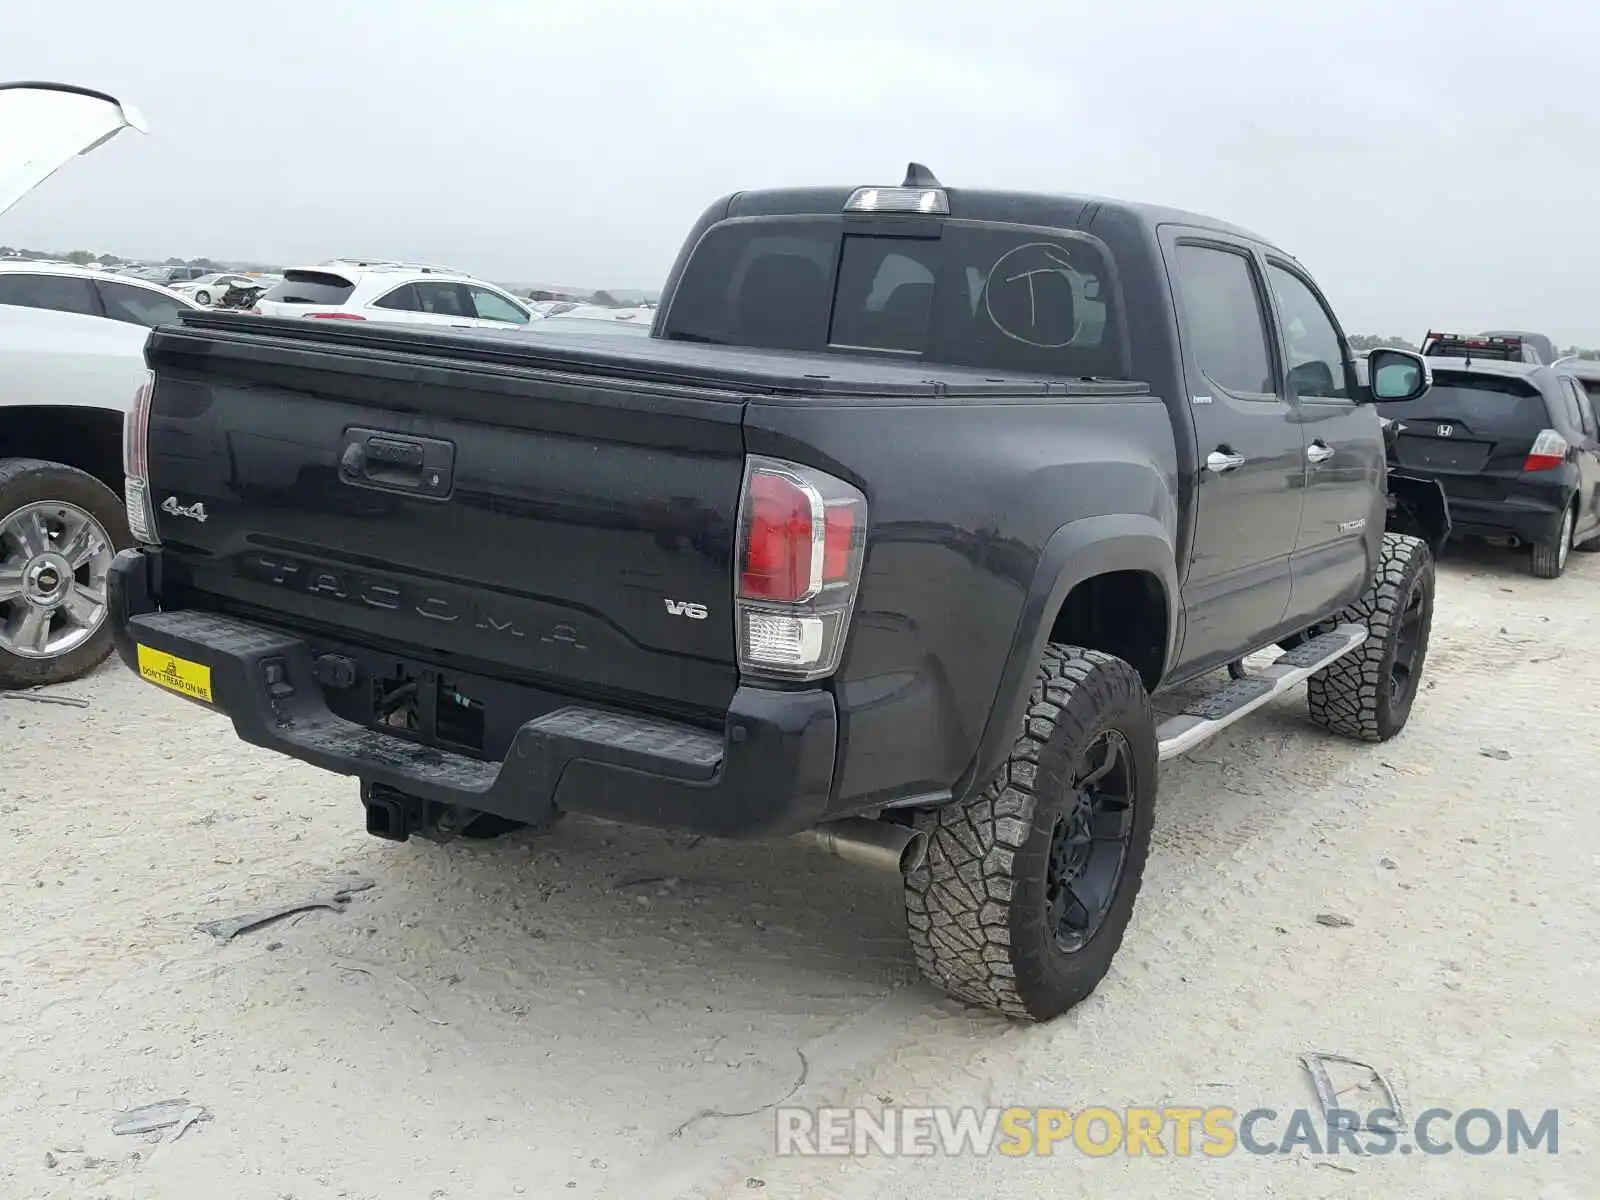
176 674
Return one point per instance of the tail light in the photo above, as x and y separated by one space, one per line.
337 316
1549 451
802 535
136 465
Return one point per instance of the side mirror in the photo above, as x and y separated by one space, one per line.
1398 376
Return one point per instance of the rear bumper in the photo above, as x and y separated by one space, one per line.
1526 506
769 773
1529 515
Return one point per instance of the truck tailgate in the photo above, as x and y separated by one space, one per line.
571 529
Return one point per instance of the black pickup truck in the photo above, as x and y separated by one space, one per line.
885 538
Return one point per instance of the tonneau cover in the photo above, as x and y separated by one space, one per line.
644 360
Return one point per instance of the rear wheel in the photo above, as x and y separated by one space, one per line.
59 530
1368 693
1550 555
1022 901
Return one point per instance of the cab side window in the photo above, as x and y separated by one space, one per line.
1316 351
1224 319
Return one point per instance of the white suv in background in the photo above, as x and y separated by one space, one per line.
402 293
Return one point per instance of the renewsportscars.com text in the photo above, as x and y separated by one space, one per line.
1171 1130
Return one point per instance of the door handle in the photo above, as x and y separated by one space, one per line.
1222 460
397 462
1319 452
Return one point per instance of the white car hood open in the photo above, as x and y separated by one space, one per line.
42 125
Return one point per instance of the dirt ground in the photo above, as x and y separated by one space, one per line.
557 1016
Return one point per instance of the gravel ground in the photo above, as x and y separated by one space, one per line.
558 1016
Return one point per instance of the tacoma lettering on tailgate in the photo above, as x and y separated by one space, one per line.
367 590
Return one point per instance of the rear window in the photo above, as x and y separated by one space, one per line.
978 295
1483 404
310 287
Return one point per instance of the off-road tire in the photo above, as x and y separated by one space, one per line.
1549 557
1352 695
976 908
26 481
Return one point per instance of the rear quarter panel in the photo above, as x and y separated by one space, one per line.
963 498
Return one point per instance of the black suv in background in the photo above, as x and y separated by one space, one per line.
1513 443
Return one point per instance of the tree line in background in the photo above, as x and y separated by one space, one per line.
83 258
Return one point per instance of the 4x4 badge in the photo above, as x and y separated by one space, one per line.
195 511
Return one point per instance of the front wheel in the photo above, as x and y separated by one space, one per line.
1026 890
1368 693
1550 556
203 298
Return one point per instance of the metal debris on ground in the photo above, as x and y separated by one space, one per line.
1316 1066
1334 921
1492 752
36 698
232 927
163 1114
190 1115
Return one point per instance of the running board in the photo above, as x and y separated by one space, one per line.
1208 715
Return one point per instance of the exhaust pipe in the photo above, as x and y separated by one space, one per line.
879 844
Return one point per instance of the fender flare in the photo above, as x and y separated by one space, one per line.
1078 551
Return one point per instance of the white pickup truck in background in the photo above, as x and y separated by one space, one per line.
66 380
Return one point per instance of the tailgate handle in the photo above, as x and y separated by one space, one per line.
396 462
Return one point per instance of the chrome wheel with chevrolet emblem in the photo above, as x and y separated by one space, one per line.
56 547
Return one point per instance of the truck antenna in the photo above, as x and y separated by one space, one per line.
918 176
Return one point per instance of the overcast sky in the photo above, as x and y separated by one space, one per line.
1430 162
